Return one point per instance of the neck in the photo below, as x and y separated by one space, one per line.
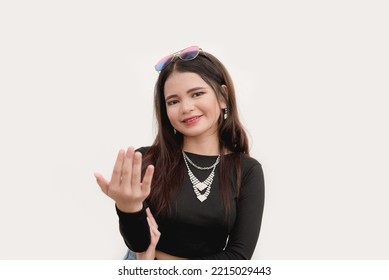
203 146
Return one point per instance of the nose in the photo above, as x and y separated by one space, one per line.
187 106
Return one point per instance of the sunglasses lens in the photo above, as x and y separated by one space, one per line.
190 53
186 54
161 64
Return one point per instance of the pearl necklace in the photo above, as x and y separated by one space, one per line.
198 186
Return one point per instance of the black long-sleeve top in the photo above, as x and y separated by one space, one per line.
200 230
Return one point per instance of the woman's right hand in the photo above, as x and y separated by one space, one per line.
126 187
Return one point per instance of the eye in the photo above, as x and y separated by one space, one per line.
172 102
199 93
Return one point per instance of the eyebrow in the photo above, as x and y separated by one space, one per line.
187 92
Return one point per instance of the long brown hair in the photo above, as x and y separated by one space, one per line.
165 153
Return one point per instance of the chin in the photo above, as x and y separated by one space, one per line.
197 132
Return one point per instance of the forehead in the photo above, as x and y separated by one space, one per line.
181 82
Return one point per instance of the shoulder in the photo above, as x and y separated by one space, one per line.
245 161
143 150
249 163
251 169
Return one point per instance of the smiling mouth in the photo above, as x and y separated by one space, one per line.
191 120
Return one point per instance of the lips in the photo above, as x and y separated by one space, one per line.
191 120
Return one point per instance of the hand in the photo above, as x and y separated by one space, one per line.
149 254
126 187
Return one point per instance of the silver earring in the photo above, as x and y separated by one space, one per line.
225 113
175 131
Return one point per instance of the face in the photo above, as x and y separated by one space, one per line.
192 106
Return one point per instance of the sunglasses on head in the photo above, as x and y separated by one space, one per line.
185 54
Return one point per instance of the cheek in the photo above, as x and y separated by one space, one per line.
171 114
217 110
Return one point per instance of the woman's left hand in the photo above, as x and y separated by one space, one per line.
149 254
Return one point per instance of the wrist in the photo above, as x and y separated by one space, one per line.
129 207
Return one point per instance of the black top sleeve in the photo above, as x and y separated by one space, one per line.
134 226
244 235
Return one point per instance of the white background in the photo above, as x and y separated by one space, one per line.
76 85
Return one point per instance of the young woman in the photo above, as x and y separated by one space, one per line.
195 193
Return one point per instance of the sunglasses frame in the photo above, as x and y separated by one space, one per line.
161 64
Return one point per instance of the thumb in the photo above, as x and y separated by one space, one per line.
102 182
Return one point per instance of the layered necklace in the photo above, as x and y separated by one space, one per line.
201 189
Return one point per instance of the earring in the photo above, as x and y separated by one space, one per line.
225 113
175 131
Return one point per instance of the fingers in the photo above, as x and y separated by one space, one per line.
117 169
136 169
147 178
154 232
127 167
155 235
125 185
132 170
151 219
